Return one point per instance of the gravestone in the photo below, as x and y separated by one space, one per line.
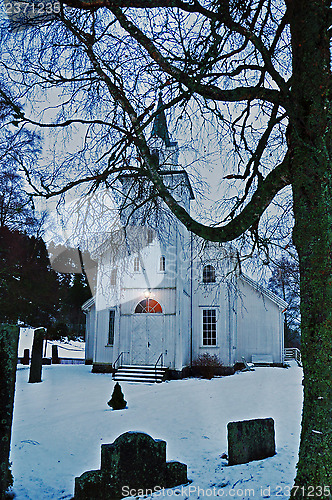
135 461
250 440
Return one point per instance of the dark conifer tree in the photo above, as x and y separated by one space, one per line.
28 286
117 401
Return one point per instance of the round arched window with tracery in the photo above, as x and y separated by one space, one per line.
209 274
148 306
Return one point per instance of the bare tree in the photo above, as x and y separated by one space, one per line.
285 282
17 148
258 72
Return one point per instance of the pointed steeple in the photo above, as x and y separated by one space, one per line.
159 128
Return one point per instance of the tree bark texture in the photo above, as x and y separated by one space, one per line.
8 348
310 140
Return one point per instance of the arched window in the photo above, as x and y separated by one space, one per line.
140 190
113 277
150 236
155 156
162 264
209 274
136 265
148 306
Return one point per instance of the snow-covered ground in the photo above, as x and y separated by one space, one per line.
60 424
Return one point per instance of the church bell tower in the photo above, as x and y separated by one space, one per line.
167 154
175 178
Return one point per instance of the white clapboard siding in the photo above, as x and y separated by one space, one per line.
258 324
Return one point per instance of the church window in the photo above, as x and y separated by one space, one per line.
209 327
162 264
155 156
150 236
111 327
209 274
136 265
140 191
113 277
148 306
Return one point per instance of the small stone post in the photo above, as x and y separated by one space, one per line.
8 360
37 356
55 355
26 357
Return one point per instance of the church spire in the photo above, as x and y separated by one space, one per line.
159 128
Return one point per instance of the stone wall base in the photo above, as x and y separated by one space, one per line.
102 368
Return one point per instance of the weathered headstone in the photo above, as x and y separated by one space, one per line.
55 355
37 356
26 357
8 362
250 440
135 461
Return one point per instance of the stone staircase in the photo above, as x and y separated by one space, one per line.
139 373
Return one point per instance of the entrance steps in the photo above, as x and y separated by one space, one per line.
140 373
293 353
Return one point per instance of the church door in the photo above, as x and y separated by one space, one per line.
147 334
155 331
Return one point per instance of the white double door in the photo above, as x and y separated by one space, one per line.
147 338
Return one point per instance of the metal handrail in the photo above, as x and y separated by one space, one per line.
161 357
295 353
121 353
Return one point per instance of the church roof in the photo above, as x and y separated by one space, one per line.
159 128
272 296
88 304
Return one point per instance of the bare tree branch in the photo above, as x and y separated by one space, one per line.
207 91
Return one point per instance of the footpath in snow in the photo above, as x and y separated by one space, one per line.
60 424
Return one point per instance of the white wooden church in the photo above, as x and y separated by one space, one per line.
166 297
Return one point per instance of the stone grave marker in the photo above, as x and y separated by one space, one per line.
250 440
135 461
55 355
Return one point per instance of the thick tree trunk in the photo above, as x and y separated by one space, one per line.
312 236
311 145
8 363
